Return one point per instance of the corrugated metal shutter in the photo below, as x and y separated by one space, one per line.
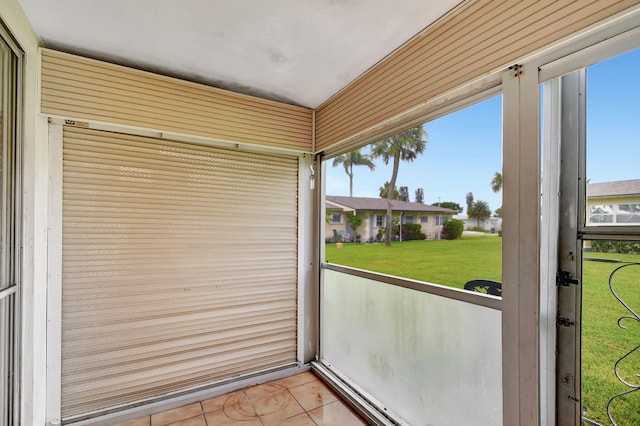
179 266
476 38
84 89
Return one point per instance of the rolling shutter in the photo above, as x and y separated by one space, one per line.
179 267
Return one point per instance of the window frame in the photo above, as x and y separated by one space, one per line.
11 204
340 220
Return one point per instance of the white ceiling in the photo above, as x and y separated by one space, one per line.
296 51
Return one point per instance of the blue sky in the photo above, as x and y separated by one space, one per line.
464 149
613 119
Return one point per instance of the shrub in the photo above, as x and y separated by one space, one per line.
354 222
411 231
616 247
452 229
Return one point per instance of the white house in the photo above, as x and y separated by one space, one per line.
614 203
488 223
373 212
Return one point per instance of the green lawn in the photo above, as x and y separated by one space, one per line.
453 263
603 342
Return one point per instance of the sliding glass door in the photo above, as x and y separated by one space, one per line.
8 233
595 126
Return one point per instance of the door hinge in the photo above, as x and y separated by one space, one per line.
564 279
564 322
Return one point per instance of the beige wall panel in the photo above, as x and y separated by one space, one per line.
84 89
475 38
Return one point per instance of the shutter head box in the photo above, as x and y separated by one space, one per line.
83 89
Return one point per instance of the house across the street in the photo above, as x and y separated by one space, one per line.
614 203
373 211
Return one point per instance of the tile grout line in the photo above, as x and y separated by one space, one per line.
203 414
252 407
316 379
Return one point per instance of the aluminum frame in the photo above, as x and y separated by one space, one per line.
11 220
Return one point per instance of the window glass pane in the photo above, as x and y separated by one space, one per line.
3 168
601 213
610 270
613 147
9 331
448 186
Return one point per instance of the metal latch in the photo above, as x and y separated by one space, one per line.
564 322
564 279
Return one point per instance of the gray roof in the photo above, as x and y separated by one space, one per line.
613 189
363 203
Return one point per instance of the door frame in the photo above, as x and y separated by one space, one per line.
564 81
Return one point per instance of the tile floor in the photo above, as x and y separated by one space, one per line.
297 400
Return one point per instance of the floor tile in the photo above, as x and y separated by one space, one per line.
313 395
335 413
220 418
282 402
240 411
276 406
299 420
262 390
230 399
144 421
193 421
176 415
298 380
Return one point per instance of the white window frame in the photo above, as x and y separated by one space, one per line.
599 44
11 204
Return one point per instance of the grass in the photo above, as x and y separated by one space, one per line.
453 263
604 342
434 261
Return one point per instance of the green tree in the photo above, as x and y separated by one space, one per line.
403 146
496 186
496 182
384 190
449 205
404 193
469 202
420 195
479 210
350 159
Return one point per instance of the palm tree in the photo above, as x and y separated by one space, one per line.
353 158
405 146
479 210
496 182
